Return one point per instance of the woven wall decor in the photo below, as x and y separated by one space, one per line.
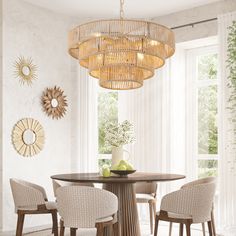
54 102
25 70
28 137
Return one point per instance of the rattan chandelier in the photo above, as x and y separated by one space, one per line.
121 53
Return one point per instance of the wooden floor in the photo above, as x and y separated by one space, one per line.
145 232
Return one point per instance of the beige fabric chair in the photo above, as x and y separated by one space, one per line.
86 207
196 182
189 205
202 181
146 193
30 198
57 184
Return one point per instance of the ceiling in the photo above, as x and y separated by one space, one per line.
110 8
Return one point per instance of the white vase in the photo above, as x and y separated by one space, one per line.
117 155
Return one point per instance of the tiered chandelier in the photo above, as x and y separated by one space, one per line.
121 53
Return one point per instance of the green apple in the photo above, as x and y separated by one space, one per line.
129 167
122 167
123 162
106 172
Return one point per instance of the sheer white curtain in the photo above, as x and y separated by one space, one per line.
84 127
157 111
227 216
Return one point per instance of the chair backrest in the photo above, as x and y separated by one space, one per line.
146 188
27 194
194 200
57 184
200 181
81 207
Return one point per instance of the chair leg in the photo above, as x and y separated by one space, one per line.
100 230
73 231
210 228
116 229
154 207
203 229
156 226
20 223
181 229
213 223
151 216
54 223
170 228
62 228
188 229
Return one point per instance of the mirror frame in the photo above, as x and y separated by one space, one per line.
48 95
18 142
24 78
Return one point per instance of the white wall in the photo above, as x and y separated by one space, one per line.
33 32
194 15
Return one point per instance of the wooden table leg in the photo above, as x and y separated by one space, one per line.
128 213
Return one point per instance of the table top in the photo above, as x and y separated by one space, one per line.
133 178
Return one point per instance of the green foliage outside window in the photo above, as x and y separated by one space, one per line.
207 67
107 111
207 120
207 168
231 83
207 115
207 106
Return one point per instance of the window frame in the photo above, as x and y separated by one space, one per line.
192 87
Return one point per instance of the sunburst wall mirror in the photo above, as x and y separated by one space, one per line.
25 70
54 102
28 137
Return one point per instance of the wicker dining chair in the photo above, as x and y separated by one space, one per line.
31 199
83 207
191 204
146 193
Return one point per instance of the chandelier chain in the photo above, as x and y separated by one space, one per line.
122 2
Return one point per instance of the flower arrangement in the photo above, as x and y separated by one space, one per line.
117 135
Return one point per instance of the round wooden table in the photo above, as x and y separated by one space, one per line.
123 188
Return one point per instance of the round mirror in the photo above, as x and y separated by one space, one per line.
54 102
26 70
29 137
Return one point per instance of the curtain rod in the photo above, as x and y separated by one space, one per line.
194 23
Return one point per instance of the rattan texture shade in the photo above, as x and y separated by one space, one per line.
121 53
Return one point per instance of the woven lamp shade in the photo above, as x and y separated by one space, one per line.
121 53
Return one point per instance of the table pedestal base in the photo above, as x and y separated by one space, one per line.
127 213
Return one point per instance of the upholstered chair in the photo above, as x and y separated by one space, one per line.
191 204
202 181
57 184
83 207
146 193
30 199
196 182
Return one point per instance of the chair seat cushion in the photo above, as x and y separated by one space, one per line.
144 198
100 220
49 206
177 216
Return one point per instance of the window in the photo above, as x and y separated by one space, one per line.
202 64
107 110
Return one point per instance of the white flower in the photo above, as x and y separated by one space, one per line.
119 134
